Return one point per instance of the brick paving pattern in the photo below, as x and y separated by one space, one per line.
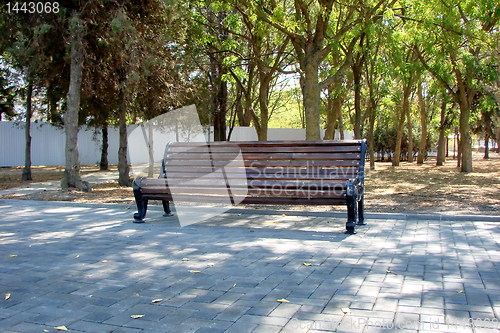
88 268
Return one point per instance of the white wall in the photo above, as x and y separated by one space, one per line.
48 142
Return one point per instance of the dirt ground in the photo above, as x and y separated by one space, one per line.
409 188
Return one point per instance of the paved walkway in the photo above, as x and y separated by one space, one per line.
88 268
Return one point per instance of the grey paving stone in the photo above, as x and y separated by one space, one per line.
391 269
263 320
232 313
242 327
267 329
127 330
31 328
87 326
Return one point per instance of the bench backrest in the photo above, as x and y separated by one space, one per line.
265 172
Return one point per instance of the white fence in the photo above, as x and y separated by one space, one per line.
48 142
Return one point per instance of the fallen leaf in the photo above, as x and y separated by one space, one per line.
283 215
104 261
345 310
460 291
46 330
61 328
283 300
307 264
69 219
195 271
136 316
158 300
7 296
127 207
12 255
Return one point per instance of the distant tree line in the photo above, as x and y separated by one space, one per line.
401 73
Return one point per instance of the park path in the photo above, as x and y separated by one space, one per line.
88 268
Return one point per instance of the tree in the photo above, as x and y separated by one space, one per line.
422 107
23 44
72 177
269 50
456 52
313 37
376 70
7 93
407 76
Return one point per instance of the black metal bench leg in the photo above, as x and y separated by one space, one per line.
361 212
142 204
351 209
166 208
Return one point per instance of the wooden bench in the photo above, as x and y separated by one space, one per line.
271 173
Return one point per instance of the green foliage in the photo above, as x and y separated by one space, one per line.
168 53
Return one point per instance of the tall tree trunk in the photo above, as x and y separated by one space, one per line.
442 141
264 83
239 108
465 96
123 167
72 168
220 97
150 149
465 146
220 113
311 95
409 128
401 121
356 70
422 149
371 138
341 126
334 106
486 147
104 163
27 134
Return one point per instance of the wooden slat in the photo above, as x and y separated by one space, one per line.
207 192
251 200
265 163
268 183
302 163
312 178
264 149
293 201
288 143
256 173
229 157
